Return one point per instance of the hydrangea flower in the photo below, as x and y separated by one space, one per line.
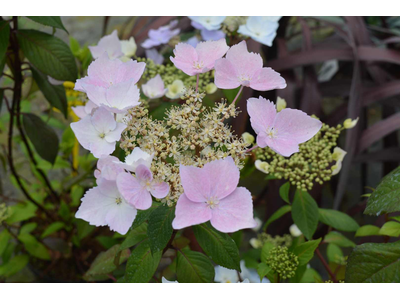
98 132
161 35
84 110
193 41
112 83
211 194
103 205
209 23
107 168
138 190
224 275
136 158
281 131
154 88
156 57
198 60
244 68
209 35
114 47
175 90
260 29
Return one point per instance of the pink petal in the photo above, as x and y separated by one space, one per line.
103 120
130 71
284 146
185 57
103 71
122 96
79 111
115 135
107 168
223 176
159 189
262 113
110 44
101 147
208 52
143 173
296 125
226 76
267 79
120 217
262 139
195 183
133 192
188 213
234 212
94 207
246 63
96 94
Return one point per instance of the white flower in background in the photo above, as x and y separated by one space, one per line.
136 158
163 280
251 274
176 89
209 23
259 224
349 123
261 29
328 70
211 88
248 138
209 35
262 166
224 275
338 155
255 243
280 104
154 88
295 231
156 57
129 47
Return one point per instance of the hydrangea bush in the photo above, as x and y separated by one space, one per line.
166 170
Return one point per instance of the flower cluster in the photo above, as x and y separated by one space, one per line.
262 238
283 262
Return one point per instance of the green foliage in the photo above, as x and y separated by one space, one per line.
49 21
34 247
386 197
337 220
21 212
305 213
194 267
4 238
367 230
263 270
305 251
48 54
284 192
219 246
28 228
53 227
373 263
276 215
310 276
142 263
55 94
42 136
267 247
16 264
134 236
337 238
390 228
104 263
334 254
160 227
4 37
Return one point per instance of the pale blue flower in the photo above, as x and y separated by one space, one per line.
161 35
209 23
261 29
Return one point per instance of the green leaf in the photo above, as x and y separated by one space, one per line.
194 267
49 21
28 228
142 215
34 247
311 276
53 227
305 251
374 263
5 236
396 218
263 269
390 228
334 254
21 212
104 263
55 94
14 265
367 230
386 197
142 264
48 54
284 192
337 220
267 247
305 213
74 46
276 215
1 93
160 227
134 236
42 136
220 247
4 38
337 238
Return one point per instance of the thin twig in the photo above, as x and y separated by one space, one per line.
326 266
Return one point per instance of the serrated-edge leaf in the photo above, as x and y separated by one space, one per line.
337 220
305 213
305 251
276 215
193 267
220 247
52 21
160 227
134 236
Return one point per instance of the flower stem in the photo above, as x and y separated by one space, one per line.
197 82
237 95
252 148
326 266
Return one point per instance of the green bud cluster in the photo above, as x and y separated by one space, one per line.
4 212
285 240
169 73
312 164
283 262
